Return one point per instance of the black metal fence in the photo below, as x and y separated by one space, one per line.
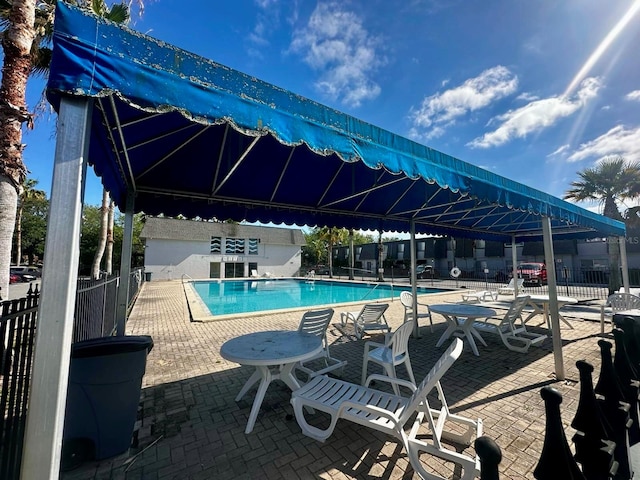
580 283
17 335
95 316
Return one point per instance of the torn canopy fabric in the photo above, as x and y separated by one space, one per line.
188 136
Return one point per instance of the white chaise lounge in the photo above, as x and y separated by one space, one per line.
393 414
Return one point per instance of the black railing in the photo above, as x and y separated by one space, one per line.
95 316
17 336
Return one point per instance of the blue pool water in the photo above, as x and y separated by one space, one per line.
226 297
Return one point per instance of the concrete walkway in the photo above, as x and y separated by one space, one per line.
191 428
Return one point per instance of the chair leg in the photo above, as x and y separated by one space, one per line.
407 364
391 372
365 362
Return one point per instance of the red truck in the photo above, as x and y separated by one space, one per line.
533 273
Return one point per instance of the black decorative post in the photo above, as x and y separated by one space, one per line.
593 449
490 457
631 328
615 410
556 461
628 382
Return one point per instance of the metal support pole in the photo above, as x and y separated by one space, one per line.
125 266
414 277
553 298
48 396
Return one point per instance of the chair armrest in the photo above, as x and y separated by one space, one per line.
371 343
345 316
389 380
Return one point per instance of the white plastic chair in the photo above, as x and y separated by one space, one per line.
394 414
370 318
316 322
393 352
510 288
516 338
617 302
406 298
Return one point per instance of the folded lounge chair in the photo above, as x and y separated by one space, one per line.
371 317
392 414
510 288
516 338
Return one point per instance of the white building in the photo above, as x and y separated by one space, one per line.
202 249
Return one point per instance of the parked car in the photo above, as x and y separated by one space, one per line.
424 271
533 273
27 274
14 278
321 270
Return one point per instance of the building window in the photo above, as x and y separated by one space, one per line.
216 243
234 245
253 246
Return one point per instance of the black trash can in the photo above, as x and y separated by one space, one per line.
147 276
105 379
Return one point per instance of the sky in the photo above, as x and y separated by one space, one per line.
533 90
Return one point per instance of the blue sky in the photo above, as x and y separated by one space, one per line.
534 90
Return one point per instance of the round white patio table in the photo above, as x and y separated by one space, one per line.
454 313
274 354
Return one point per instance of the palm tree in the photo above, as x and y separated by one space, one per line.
26 27
29 192
610 182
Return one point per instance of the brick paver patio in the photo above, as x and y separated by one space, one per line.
191 428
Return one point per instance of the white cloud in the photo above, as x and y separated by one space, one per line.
537 115
617 141
559 150
635 96
335 43
442 109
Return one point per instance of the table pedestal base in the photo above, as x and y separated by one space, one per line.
265 376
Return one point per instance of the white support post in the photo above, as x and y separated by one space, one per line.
125 266
414 277
514 265
554 313
48 394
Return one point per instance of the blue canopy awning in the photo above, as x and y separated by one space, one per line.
193 137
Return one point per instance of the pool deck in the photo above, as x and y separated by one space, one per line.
190 427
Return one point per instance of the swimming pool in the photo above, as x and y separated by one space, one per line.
229 297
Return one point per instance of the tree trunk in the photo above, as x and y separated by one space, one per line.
102 242
16 45
109 255
615 281
18 252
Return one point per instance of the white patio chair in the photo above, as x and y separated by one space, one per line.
393 352
406 298
617 302
370 318
516 338
316 322
510 288
392 414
